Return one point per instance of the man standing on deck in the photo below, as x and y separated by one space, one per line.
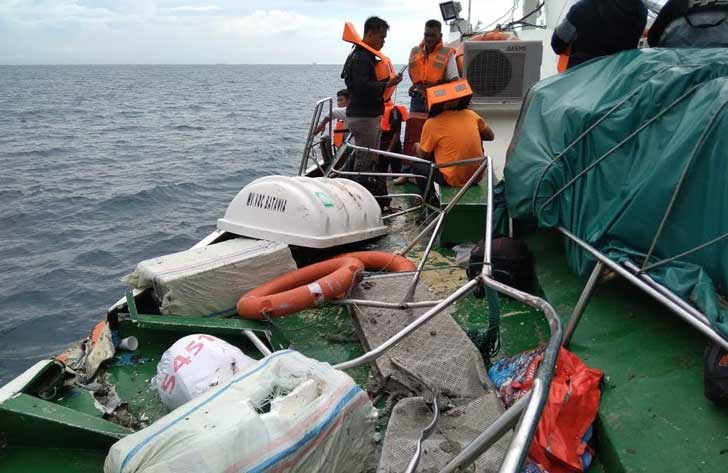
367 100
594 28
430 63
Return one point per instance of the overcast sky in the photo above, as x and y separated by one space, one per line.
208 31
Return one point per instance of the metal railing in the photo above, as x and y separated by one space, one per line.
525 413
310 145
636 276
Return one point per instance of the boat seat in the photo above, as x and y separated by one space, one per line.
466 221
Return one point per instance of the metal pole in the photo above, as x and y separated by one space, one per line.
518 448
331 127
369 275
682 313
414 196
487 269
489 436
403 157
652 266
414 325
462 162
380 174
414 241
386 305
256 341
428 185
667 293
337 157
582 302
413 285
524 433
314 120
426 432
403 212
449 206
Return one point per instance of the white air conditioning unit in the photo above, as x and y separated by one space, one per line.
502 71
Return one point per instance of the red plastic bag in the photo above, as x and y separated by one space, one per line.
569 411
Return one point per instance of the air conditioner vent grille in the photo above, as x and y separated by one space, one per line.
492 73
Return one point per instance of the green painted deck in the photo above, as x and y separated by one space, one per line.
653 415
47 460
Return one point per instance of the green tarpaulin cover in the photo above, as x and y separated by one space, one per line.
628 150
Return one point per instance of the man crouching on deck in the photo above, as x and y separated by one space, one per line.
451 133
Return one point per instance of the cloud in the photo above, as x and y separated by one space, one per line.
195 8
203 31
267 23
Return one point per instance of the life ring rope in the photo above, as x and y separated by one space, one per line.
383 261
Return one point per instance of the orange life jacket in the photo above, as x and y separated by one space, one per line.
494 35
448 92
383 70
384 123
429 69
339 133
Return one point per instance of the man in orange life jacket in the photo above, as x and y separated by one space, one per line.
430 64
367 101
338 113
391 125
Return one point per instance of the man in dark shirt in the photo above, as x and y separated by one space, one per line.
366 101
691 24
594 28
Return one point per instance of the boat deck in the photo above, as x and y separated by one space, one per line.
653 415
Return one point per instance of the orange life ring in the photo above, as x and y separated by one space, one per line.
310 285
300 289
382 261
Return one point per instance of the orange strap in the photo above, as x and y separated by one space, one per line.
384 70
563 63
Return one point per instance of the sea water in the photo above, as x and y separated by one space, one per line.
104 166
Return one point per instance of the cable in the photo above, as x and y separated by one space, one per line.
513 24
522 21
509 12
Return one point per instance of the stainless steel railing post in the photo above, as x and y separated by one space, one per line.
582 302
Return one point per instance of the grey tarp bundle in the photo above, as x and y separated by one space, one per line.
628 150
